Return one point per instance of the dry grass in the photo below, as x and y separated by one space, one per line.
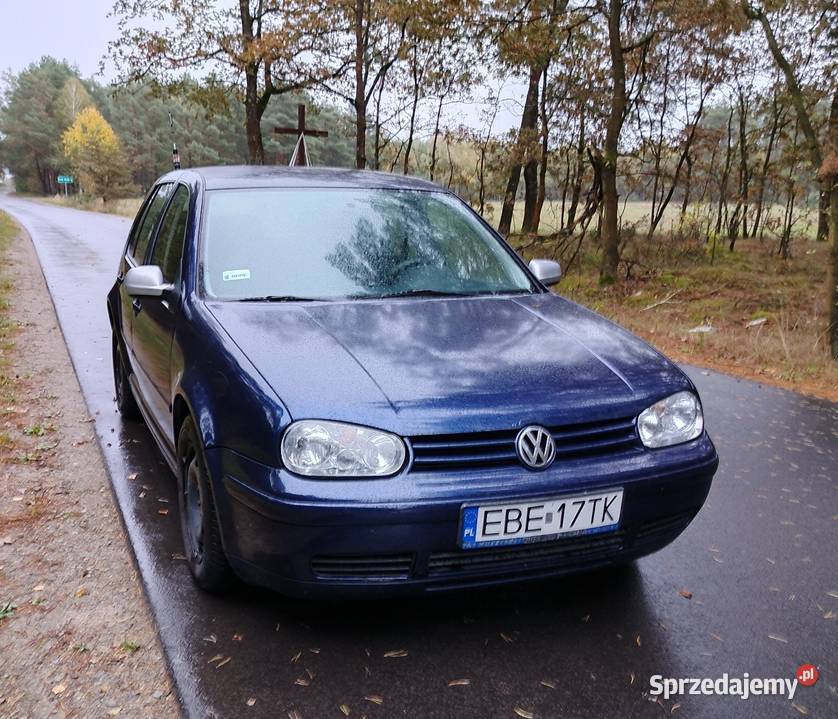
126 207
788 349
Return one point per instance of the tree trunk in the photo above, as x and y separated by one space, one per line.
610 230
529 121
360 102
776 113
252 116
436 137
412 127
725 172
798 102
579 170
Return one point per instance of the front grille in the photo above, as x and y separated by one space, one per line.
492 449
556 553
391 566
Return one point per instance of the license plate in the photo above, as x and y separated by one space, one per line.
491 525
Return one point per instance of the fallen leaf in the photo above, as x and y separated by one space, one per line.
237 637
302 681
216 658
637 641
524 714
162 511
395 653
686 594
674 708
548 684
59 689
315 650
212 639
586 618
250 702
778 638
133 476
507 638
802 709
38 588
223 662
296 657
294 714
345 710
81 592
632 678
832 594
113 712
375 699
459 682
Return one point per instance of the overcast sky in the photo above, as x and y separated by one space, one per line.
78 31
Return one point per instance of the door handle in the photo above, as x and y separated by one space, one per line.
137 305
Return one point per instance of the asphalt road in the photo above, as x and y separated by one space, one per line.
759 560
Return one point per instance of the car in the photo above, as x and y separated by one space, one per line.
363 391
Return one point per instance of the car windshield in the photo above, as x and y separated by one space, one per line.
287 244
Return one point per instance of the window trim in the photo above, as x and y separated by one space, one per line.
130 257
153 243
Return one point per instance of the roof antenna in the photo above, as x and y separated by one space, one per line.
175 153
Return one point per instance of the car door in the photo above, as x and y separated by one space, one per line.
135 253
154 319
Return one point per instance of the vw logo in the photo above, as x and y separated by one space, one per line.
535 447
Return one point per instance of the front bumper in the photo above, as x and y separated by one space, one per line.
328 538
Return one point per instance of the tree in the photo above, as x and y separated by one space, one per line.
32 120
95 154
252 51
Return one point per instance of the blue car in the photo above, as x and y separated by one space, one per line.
363 391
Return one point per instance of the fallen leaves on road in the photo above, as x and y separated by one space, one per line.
459 682
686 594
345 710
637 641
223 662
250 702
507 638
375 699
294 714
778 638
59 689
802 709
548 684
163 511
395 653
296 657
524 714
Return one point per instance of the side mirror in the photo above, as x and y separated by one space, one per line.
146 281
548 272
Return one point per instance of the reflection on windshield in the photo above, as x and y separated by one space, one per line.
330 243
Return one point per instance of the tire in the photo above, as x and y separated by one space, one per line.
198 518
125 400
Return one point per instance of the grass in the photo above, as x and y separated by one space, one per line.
785 302
126 207
637 213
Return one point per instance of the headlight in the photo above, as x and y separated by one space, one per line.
673 420
320 448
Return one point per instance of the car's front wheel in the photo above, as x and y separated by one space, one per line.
198 518
125 401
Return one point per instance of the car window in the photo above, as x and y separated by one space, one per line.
329 243
168 247
139 243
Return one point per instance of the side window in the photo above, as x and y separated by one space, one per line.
168 248
139 243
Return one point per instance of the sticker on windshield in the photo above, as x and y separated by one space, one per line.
229 275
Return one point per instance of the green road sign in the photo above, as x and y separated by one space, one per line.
65 179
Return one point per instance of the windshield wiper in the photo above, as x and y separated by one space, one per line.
281 298
415 293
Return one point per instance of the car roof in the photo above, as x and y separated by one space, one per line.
261 176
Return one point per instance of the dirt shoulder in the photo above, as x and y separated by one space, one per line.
76 634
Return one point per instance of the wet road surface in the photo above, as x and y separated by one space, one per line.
759 561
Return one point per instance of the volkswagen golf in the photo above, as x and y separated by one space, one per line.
363 390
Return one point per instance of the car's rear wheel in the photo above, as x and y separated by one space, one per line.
198 518
125 401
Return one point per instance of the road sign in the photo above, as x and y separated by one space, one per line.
65 179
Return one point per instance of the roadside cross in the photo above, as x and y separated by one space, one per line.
300 155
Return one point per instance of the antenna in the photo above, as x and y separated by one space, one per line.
175 153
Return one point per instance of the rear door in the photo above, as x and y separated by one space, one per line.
154 320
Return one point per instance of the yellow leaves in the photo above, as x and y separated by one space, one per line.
89 132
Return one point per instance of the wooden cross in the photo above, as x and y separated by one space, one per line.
300 155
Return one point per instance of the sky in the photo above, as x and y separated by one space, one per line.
78 31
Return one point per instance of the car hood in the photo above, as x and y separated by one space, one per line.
421 366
